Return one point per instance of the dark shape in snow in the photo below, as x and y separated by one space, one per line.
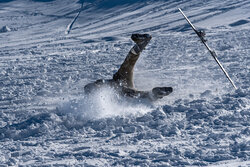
43 0
238 23
4 1
89 41
109 38
110 3
5 29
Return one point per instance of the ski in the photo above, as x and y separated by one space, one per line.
201 35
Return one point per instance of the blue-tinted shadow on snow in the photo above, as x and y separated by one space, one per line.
43 0
110 3
239 23
96 40
32 127
109 39
5 1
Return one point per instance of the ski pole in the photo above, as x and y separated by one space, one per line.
201 35
69 27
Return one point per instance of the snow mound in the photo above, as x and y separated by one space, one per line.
104 103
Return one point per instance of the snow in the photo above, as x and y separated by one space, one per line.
47 120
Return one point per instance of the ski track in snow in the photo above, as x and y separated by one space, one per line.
46 120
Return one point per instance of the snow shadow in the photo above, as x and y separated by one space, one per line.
43 0
4 1
34 126
239 23
111 3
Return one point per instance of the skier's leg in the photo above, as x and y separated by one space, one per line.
125 73
155 94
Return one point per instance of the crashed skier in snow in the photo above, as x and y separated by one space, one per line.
122 80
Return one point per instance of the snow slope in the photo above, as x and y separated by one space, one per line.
46 120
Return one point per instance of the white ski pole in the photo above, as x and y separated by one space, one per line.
201 36
69 27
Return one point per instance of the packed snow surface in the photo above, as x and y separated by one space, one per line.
47 120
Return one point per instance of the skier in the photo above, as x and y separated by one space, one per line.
122 80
